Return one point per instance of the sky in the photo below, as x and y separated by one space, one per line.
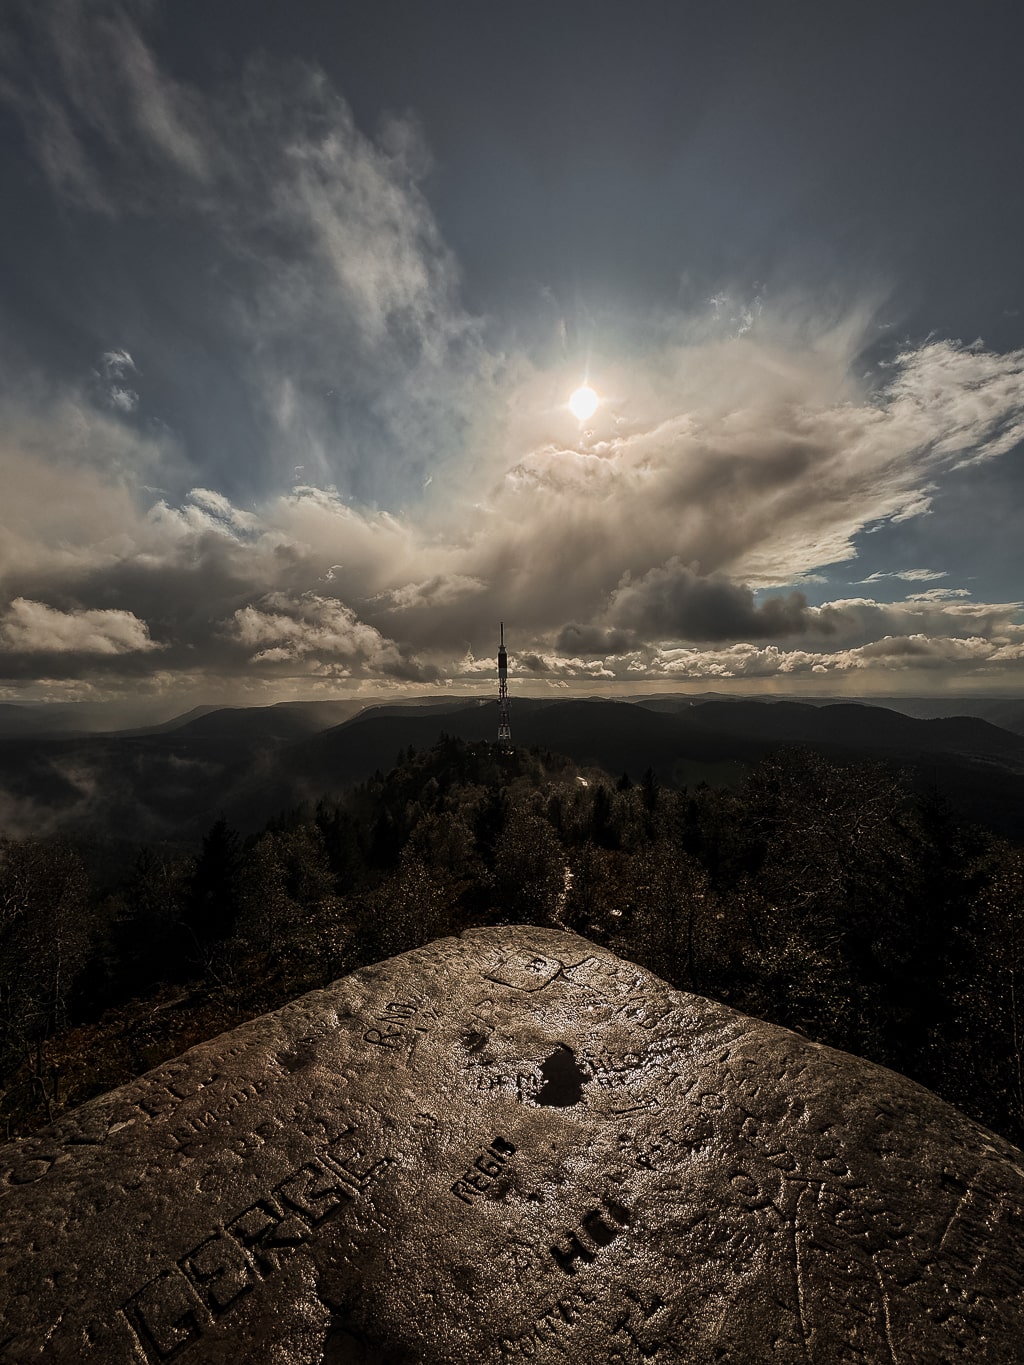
293 298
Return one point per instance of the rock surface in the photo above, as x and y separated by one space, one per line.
512 1146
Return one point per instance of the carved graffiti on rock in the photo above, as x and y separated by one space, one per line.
512 1147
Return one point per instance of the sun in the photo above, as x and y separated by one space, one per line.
583 403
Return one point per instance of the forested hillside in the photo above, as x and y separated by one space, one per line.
827 898
247 763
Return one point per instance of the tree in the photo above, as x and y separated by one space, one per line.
268 914
651 790
817 864
529 869
142 943
213 902
601 824
44 943
445 843
664 904
341 843
986 1064
592 901
415 905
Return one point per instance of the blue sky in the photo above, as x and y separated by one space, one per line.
292 300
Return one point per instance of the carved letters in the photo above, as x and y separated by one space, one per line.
479 1180
395 1014
599 1228
396 1032
184 1300
719 1190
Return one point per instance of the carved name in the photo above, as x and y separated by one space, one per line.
186 1299
479 1180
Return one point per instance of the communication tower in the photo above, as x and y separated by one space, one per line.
504 728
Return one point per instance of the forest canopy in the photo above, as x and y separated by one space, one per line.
830 899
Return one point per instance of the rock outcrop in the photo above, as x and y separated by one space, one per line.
509 1147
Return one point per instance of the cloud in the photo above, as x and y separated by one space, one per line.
740 449
674 602
732 457
939 611
111 94
117 364
940 595
35 628
873 662
564 547
965 401
115 367
908 575
440 590
124 400
283 630
324 297
574 639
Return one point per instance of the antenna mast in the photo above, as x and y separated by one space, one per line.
504 727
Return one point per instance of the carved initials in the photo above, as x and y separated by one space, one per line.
599 1228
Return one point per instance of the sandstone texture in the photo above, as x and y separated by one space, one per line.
512 1146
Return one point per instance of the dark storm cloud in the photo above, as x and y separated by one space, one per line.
674 602
532 663
575 639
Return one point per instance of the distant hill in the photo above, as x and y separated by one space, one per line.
1006 712
250 763
849 725
18 720
980 767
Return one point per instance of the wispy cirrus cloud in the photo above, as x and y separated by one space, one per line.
906 575
315 280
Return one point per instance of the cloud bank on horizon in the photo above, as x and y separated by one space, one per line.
297 462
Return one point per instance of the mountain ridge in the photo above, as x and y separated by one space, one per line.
250 762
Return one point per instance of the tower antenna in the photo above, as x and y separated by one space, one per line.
504 727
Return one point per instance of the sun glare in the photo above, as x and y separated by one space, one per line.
583 403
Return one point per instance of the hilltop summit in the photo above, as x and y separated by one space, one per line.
510 1146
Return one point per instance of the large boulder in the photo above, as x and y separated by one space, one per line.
505 1147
